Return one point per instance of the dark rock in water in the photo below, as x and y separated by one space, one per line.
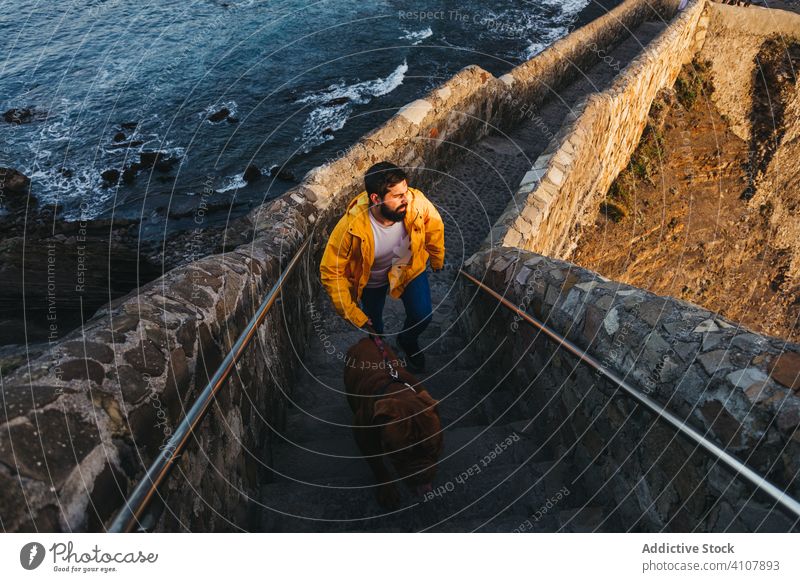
129 125
252 173
119 136
160 160
148 159
327 131
13 183
218 116
18 116
337 101
283 174
233 120
66 172
110 176
165 165
129 173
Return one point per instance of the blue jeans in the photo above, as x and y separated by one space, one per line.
416 300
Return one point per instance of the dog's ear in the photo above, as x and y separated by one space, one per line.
388 415
428 400
385 410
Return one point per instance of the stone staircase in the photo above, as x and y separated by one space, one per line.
321 483
493 474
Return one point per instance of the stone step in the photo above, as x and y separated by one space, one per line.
459 393
456 390
508 403
586 519
495 491
314 391
501 524
474 460
515 523
317 460
457 407
319 423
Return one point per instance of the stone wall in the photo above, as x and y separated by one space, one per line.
429 135
566 59
567 182
83 420
739 388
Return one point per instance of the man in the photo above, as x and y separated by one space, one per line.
381 244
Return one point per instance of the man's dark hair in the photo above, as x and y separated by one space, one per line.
382 176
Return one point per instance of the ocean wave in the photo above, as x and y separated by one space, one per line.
538 28
232 183
418 36
78 185
53 181
81 193
334 104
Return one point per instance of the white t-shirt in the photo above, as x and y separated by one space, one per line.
392 246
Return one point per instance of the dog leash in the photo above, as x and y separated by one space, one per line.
394 376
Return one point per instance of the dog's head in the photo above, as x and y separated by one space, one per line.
411 436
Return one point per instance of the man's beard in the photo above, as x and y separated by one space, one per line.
391 214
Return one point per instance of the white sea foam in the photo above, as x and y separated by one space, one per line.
334 104
417 36
232 183
539 28
83 192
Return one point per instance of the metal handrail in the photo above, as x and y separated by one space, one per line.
732 462
138 501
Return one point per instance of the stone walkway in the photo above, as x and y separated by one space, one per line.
321 482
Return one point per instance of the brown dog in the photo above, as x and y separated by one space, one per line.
392 419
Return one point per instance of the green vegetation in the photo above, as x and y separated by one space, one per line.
693 81
619 198
647 157
643 165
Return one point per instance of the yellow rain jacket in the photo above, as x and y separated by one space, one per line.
350 251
